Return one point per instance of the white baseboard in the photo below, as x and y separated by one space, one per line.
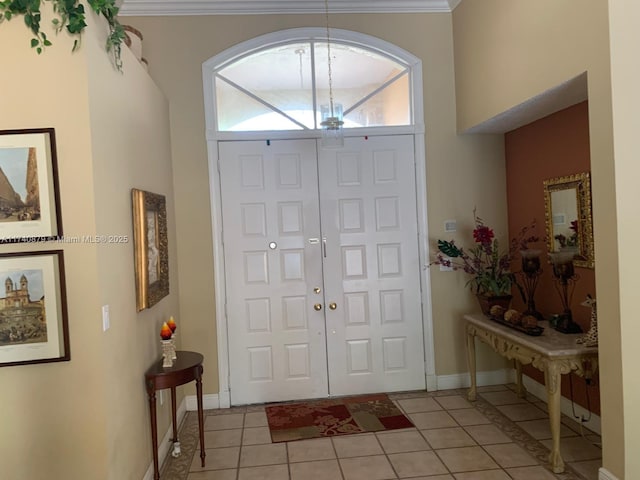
209 402
604 474
165 444
538 390
462 380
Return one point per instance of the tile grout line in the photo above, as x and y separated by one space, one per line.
386 455
427 441
335 451
240 449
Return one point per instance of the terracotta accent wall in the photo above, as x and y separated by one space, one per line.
554 146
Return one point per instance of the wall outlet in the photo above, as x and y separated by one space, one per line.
106 321
444 268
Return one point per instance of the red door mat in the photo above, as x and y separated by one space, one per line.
338 416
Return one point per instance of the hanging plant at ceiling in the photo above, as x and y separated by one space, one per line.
69 15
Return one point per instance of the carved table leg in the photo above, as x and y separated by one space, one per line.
154 430
520 389
471 359
173 414
200 413
552 383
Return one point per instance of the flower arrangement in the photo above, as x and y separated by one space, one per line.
489 267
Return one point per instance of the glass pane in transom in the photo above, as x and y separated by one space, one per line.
387 107
286 87
239 112
356 74
280 77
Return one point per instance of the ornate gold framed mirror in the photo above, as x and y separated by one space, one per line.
567 205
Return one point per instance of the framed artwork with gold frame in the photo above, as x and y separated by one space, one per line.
151 253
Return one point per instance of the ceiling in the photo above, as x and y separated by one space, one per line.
248 7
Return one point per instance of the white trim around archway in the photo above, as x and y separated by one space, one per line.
214 136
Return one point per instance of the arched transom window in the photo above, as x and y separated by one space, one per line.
285 86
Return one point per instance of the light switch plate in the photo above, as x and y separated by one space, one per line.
106 321
450 226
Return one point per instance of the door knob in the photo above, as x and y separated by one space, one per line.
317 290
317 307
333 306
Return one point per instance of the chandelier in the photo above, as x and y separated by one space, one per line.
332 134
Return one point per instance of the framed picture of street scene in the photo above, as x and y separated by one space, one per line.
151 251
29 198
33 308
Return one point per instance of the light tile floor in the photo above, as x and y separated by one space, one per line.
499 437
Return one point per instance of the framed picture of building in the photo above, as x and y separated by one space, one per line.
29 193
151 252
33 308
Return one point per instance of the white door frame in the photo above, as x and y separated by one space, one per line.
214 136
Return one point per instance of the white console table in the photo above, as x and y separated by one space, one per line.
553 353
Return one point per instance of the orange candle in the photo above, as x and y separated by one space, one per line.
165 331
172 324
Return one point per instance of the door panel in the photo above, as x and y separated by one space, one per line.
367 334
277 343
371 266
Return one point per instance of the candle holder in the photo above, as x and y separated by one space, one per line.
565 282
173 347
168 345
168 351
172 326
528 280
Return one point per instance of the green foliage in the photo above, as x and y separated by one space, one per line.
109 10
488 265
69 15
449 249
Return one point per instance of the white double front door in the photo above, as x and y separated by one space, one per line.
322 268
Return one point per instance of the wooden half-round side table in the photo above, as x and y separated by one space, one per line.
187 367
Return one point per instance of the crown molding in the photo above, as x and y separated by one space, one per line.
264 7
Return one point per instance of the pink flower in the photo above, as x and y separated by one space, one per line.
483 234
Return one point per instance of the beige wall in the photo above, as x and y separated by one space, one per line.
510 60
131 149
474 167
504 58
625 74
88 418
54 410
